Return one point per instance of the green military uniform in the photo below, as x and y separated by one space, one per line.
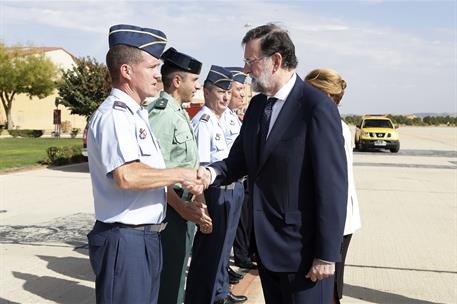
171 125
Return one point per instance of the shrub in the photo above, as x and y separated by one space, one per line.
26 133
64 155
75 132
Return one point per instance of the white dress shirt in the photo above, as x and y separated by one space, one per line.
281 95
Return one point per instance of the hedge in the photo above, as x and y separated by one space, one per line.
26 133
65 155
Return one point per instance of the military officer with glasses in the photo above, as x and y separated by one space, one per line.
171 124
128 174
208 280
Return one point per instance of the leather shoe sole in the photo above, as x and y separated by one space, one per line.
236 299
233 281
234 274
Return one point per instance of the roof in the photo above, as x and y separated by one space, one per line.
29 50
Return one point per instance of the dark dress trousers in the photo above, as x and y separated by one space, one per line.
298 187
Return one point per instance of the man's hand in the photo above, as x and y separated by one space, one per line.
195 212
205 176
191 182
204 226
191 211
320 270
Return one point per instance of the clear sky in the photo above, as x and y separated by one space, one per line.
396 56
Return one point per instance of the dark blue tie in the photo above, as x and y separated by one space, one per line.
265 121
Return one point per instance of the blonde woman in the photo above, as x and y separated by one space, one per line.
331 83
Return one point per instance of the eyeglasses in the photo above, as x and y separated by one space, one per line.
250 62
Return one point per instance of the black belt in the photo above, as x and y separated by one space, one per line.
185 195
142 227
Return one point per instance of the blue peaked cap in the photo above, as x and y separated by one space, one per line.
146 39
238 74
220 77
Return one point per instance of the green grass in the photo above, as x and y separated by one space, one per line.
28 152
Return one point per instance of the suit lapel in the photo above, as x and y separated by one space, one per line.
251 126
290 109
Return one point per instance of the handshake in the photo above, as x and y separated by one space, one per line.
196 180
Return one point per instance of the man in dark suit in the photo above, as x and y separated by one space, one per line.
291 148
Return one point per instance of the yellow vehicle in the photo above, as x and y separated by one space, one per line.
377 132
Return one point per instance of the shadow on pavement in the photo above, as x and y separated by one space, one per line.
82 167
71 229
55 289
402 268
5 301
73 267
381 297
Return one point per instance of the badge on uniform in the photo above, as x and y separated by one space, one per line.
232 122
143 133
218 136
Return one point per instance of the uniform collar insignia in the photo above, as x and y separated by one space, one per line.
143 133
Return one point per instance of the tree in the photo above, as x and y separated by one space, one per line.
24 72
84 87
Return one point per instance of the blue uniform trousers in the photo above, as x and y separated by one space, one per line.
222 285
208 280
242 247
127 264
176 245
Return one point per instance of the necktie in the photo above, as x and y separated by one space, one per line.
265 120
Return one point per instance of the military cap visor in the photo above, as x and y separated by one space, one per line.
238 74
149 40
182 61
220 77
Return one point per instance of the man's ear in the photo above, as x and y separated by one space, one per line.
126 71
277 61
177 80
205 92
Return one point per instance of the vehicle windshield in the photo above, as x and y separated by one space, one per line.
377 123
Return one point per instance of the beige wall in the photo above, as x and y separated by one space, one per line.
38 113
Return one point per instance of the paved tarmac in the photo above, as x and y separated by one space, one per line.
406 251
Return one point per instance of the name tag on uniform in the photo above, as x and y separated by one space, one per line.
143 133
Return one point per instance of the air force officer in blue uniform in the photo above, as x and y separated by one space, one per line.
208 280
128 173
291 148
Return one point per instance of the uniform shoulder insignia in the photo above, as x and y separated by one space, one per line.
205 118
160 103
119 105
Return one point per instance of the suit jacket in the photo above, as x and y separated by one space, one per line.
298 181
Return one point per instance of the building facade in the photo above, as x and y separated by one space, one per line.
38 113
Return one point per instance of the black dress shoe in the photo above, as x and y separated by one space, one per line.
246 265
234 274
233 280
221 301
236 299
